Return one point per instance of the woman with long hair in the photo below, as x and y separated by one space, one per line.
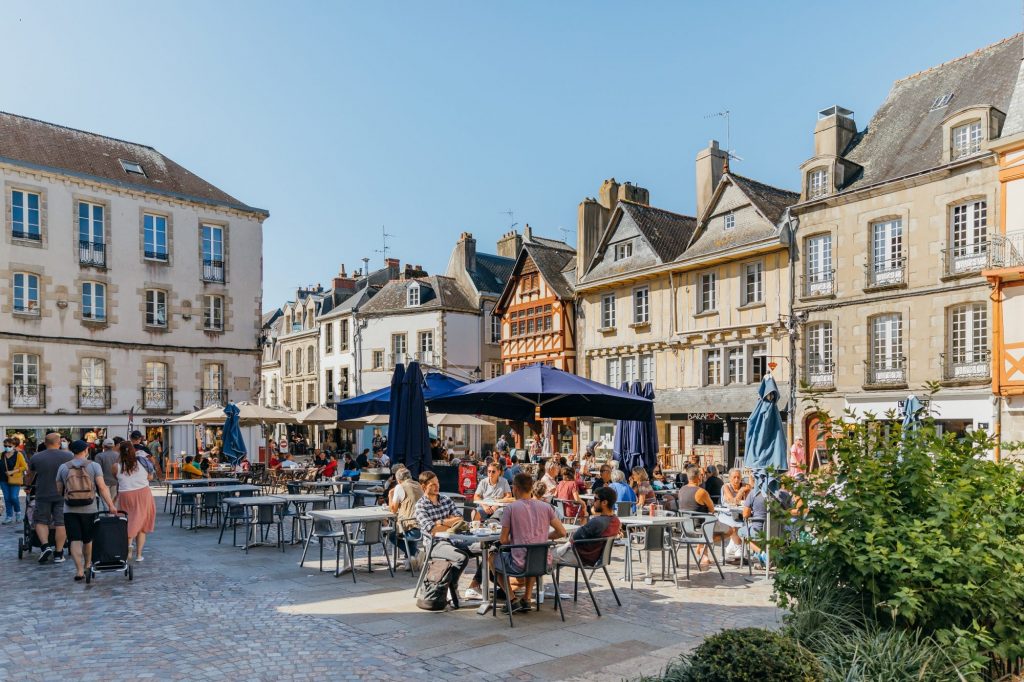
134 497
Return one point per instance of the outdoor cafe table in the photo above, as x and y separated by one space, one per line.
216 490
323 486
643 522
199 481
256 501
347 516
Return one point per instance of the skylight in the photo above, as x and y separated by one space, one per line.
132 167
941 101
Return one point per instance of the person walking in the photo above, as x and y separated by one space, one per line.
49 502
78 482
135 498
107 459
12 477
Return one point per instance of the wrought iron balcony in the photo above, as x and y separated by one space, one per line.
213 270
92 253
426 357
886 273
26 396
888 373
820 284
993 251
213 396
967 366
94 397
820 375
157 398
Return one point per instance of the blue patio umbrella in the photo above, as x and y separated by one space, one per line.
913 411
621 436
379 401
409 439
517 396
766 440
636 441
395 402
651 452
234 446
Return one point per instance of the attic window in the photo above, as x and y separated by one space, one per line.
730 220
132 167
941 101
623 250
412 296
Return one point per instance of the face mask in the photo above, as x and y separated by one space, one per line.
7 448
64 445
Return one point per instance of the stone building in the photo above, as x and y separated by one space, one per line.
130 288
894 227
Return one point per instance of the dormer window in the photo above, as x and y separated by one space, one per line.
817 183
132 167
623 250
412 296
966 140
730 220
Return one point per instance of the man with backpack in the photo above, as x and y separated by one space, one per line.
49 504
78 481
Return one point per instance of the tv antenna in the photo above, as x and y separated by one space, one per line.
384 239
511 216
565 233
726 114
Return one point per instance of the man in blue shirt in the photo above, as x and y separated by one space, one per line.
511 472
623 493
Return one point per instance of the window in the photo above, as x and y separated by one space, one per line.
529 284
311 360
298 361
647 368
329 338
713 368
608 311
413 295
887 344
213 253
155 392
613 372
132 167
886 252
343 335
966 140
94 372
818 354
26 293
156 308
213 377
629 368
399 347
493 370
93 393
25 390
25 215
91 248
623 250
641 307
941 101
154 237
730 220
753 283
707 296
425 343
288 397
94 301
213 313
378 359
969 237
758 362
736 365
287 363
817 183
343 383
310 394
495 328
818 267
968 331
329 385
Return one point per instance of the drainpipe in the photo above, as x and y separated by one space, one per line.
357 338
792 223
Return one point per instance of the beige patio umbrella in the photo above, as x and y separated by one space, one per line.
199 415
374 420
250 414
443 419
326 416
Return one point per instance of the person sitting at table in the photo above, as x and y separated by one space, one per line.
493 488
363 460
658 481
755 512
623 493
551 472
642 487
289 462
319 458
438 514
402 502
603 523
526 521
569 492
540 489
384 461
513 469
203 463
734 491
604 477
331 468
693 498
349 468
713 483
190 470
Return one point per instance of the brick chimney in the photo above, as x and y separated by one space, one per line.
342 282
510 244
466 251
393 265
711 163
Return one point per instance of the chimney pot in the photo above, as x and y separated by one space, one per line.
712 162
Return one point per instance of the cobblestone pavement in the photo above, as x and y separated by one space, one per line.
198 610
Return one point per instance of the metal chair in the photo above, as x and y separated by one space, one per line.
535 565
691 536
267 516
623 508
302 518
343 491
574 561
211 508
562 507
324 529
235 515
364 534
185 502
649 539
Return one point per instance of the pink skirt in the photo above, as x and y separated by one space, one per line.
141 510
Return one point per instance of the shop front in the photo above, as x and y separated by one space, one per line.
564 438
958 412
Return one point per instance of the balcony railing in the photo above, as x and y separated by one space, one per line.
993 251
213 396
967 366
155 255
92 253
889 373
94 397
157 398
213 270
886 273
22 234
26 307
394 358
26 395
820 375
426 357
820 284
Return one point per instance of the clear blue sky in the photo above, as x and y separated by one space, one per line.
434 117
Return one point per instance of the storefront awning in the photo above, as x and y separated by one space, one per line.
712 400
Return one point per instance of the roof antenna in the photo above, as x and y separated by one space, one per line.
384 238
565 233
511 216
730 154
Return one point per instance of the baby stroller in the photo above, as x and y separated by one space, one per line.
110 546
28 539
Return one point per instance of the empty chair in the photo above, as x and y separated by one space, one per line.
691 536
564 507
535 565
575 561
364 534
267 516
623 508
303 519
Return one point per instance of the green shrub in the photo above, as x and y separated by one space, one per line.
920 529
752 655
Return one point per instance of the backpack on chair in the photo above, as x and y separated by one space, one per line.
440 580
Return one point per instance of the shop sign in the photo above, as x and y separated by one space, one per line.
702 416
155 420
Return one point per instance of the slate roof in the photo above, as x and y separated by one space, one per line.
491 273
438 292
1015 114
905 135
668 233
552 262
550 243
47 146
771 201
